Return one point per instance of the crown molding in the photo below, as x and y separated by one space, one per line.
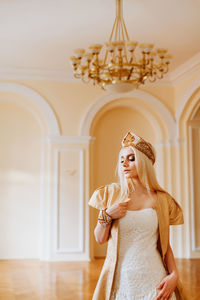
190 67
60 75
187 69
37 74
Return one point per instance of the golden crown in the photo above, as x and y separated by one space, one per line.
140 144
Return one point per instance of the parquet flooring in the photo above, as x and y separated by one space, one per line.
37 280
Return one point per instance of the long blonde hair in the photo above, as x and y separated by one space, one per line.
145 170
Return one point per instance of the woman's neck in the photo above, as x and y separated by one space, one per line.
138 189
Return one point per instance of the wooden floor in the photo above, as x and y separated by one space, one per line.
36 280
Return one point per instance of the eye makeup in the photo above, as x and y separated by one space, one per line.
131 157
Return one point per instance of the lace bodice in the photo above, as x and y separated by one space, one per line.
139 267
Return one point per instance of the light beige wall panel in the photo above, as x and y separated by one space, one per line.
70 200
19 183
164 93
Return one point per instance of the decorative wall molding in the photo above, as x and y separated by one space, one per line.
143 96
69 139
187 69
80 249
187 95
181 73
194 112
38 100
171 143
190 91
193 231
60 75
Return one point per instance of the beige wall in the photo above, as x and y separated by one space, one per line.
69 103
20 155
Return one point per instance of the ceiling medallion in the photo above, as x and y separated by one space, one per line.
121 65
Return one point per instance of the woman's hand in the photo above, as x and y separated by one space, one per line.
117 210
167 287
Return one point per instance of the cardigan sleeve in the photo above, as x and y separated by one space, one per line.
99 198
175 212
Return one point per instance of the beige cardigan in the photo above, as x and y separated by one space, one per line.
169 213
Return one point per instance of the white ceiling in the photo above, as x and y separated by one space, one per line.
41 34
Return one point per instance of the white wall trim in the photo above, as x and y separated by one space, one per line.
40 102
170 143
185 99
60 75
69 139
141 95
80 249
185 70
174 77
194 246
194 112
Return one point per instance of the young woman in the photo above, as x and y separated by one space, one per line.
134 218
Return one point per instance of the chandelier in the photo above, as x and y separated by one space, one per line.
121 65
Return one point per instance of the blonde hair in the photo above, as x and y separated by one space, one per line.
145 170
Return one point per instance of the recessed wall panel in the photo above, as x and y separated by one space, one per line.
196 185
69 200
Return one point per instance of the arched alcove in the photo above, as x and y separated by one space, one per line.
193 125
156 118
109 129
31 102
150 105
188 132
20 156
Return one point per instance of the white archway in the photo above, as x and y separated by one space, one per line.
187 95
47 120
160 118
38 100
187 105
142 96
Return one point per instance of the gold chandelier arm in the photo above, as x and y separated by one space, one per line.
159 76
127 36
116 30
105 58
166 69
86 81
110 39
152 80
129 76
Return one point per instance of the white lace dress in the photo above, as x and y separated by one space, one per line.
139 268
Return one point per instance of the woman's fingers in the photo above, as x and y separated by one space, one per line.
170 296
161 296
159 287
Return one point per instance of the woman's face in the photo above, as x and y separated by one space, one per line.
127 161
